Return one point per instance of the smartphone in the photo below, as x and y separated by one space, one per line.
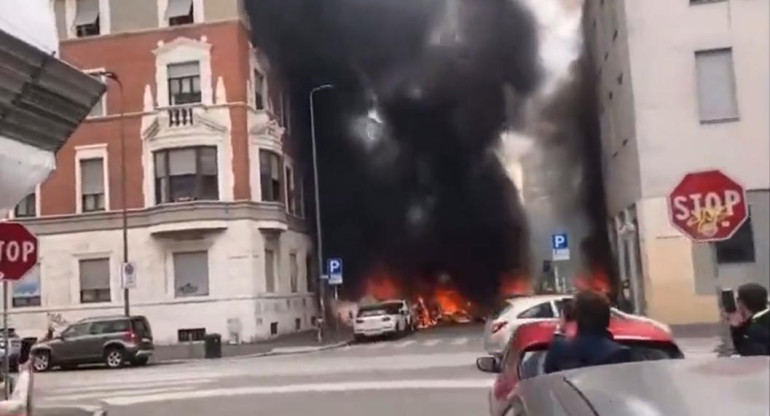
728 301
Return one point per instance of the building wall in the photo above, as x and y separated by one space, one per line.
652 135
232 229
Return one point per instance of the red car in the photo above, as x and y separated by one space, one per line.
525 354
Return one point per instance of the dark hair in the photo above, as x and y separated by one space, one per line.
568 310
592 311
754 296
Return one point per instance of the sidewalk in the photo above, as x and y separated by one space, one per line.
300 342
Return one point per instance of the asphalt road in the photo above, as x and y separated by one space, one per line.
429 373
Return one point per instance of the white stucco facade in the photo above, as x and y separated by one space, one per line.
653 132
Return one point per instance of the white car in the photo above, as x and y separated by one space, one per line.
514 312
391 318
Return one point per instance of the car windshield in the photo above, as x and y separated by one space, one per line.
532 362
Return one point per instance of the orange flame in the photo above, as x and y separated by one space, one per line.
597 280
382 286
514 284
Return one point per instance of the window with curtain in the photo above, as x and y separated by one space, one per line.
191 274
87 18
270 176
180 12
184 83
294 272
291 197
259 85
26 292
717 99
95 281
92 184
186 174
269 270
27 208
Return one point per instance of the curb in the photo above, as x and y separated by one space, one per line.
278 352
271 353
86 409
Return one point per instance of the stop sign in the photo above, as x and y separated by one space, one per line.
707 206
18 250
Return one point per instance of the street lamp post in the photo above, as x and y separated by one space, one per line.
123 194
319 239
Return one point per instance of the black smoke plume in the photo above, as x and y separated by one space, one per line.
409 176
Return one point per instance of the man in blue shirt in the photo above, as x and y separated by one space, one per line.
593 344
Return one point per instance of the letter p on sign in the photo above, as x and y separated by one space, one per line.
18 251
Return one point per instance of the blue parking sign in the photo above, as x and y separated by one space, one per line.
334 268
559 241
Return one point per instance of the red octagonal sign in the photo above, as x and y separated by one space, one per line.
707 206
18 251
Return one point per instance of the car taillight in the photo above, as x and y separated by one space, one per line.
497 326
386 319
130 337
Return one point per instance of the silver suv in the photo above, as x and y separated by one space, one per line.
114 341
15 348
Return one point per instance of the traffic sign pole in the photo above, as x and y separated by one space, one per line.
7 343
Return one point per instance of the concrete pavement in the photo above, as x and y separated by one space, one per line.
429 372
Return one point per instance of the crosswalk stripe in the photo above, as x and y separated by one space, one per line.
431 342
405 343
460 341
129 386
115 393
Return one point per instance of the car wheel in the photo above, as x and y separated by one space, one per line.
139 361
41 361
114 357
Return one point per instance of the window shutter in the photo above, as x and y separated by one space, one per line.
94 274
87 12
92 176
186 69
177 8
181 162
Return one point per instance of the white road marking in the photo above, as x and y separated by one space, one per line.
302 388
431 342
460 341
405 343
129 393
128 386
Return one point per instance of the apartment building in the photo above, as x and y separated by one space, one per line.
197 129
682 85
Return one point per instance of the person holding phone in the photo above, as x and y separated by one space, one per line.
750 323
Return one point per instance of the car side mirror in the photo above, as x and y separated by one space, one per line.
488 364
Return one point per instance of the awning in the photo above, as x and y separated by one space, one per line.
178 8
87 12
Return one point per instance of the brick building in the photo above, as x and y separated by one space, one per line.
214 201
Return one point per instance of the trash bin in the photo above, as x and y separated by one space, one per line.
212 346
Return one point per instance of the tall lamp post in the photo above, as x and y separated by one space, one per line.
123 194
319 239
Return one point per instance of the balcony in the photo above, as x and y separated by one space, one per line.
180 116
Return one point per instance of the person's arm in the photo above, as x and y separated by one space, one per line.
554 355
755 341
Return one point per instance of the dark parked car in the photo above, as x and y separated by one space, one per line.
114 341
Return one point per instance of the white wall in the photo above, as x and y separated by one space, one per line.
236 282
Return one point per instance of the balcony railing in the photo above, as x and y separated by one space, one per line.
181 116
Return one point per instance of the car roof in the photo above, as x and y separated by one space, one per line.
525 302
109 318
539 334
712 386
